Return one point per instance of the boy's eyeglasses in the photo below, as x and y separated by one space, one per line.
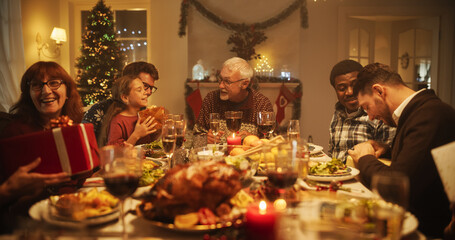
152 88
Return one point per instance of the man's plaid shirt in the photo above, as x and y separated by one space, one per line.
347 131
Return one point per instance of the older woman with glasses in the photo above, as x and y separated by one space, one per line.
47 92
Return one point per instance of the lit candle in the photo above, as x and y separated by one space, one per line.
260 221
234 140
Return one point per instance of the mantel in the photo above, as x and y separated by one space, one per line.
261 85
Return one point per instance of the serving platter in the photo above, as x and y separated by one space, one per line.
195 229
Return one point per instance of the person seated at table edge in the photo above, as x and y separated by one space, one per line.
148 74
47 92
234 94
423 122
350 124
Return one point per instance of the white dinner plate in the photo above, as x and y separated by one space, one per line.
410 224
40 211
328 178
314 148
323 158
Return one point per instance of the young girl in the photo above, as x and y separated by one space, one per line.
121 124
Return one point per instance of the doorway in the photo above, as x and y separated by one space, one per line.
408 44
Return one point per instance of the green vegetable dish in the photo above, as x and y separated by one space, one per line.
151 172
333 167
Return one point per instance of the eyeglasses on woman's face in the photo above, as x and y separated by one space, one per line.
53 84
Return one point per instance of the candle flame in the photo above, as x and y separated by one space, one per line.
233 135
262 207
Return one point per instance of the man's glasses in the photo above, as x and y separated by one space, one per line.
152 88
52 84
226 81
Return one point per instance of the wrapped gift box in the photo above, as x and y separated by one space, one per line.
70 149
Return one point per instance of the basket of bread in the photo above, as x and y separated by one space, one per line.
158 113
248 157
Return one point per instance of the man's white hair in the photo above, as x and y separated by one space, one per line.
239 64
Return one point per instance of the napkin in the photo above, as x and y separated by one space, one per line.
444 159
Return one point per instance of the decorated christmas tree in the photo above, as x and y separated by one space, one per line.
101 60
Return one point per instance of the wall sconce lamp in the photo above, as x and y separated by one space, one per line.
59 35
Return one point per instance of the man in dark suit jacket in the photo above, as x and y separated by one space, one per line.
423 122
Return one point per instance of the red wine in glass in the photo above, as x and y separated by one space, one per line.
122 185
282 179
233 124
179 141
265 128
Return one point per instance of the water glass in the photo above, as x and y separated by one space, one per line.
215 124
293 131
168 135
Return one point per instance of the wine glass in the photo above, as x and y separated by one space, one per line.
293 131
177 117
285 171
180 129
122 168
215 124
266 123
393 189
233 120
168 135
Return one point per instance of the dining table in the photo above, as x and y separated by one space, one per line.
39 226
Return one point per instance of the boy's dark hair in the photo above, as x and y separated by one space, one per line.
135 68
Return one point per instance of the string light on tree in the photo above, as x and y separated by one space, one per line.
263 67
101 60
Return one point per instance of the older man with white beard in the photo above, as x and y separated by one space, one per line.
234 94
